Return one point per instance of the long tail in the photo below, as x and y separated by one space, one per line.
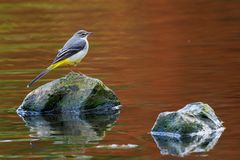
43 73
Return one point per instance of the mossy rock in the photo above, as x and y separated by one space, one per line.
73 93
193 119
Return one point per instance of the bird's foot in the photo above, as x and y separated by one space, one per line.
78 72
81 74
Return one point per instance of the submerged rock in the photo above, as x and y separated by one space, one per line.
194 118
72 93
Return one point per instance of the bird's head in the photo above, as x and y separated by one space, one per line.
82 33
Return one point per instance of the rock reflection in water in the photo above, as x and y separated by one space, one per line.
69 128
186 145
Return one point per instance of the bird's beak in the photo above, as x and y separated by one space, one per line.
89 33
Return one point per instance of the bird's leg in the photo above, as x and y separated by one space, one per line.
81 73
70 68
73 67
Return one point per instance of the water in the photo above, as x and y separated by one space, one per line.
156 55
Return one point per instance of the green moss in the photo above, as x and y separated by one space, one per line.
100 95
193 118
53 100
207 109
165 123
190 128
71 93
174 123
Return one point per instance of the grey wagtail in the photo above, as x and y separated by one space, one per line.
74 50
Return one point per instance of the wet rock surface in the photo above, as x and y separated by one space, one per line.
73 93
192 129
194 118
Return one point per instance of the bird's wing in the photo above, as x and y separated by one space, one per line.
70 48
65 54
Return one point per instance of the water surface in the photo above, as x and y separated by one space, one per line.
156 55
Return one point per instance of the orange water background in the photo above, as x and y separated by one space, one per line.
156 55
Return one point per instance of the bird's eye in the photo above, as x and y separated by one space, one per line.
82 34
